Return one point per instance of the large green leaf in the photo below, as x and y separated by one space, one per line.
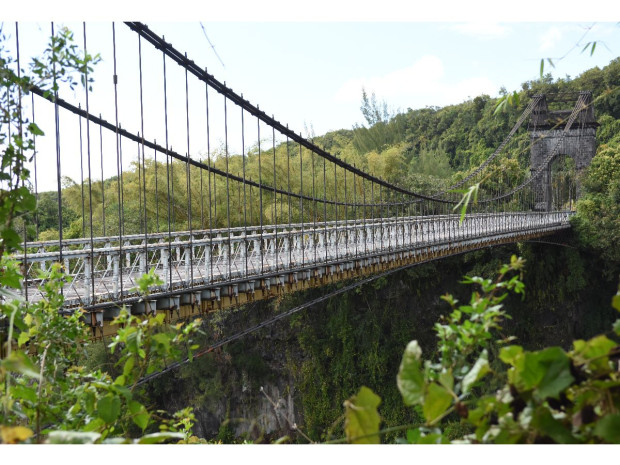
480 368
22 339
109 408
436 402
544 422
19 362
95 424
608 428
413 435
546 372
72 437
139 414
410 378
35 130
557 376
163 340
11 275
615 301
446 379
12 240
416 437
594 352
361 417
156 438
129 364
21 393
510 354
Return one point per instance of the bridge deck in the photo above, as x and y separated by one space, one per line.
105 274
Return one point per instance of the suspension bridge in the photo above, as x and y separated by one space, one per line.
248 209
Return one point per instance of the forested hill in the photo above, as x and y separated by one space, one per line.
444 141
425 148
421 150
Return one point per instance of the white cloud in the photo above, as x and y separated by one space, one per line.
550 39
482 29
423 73
468 88
419 85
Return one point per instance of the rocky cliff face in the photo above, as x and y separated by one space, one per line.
257 416
245 389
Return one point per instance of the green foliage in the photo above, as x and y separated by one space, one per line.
361 417
470 195
598 212
350 339
384 128
430 144
542 65
550 395
425 150
591 46
387 164
359 339
431 163
373 112
511 99
145 347
61 62
47 390
410 379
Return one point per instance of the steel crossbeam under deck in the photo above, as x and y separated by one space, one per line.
216 269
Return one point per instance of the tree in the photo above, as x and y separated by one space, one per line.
431 162
373 112
598 219
383 128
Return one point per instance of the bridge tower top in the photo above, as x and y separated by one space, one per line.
551 113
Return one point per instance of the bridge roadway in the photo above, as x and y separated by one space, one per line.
210 269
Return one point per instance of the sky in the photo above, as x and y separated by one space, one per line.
306 65
312 74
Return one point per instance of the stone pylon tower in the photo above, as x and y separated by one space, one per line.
548 135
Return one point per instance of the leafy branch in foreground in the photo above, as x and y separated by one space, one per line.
61 62
47 395
546 396
507 100
470 195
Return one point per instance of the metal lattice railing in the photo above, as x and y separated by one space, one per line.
212 257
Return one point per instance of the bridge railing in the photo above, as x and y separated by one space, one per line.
109 272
